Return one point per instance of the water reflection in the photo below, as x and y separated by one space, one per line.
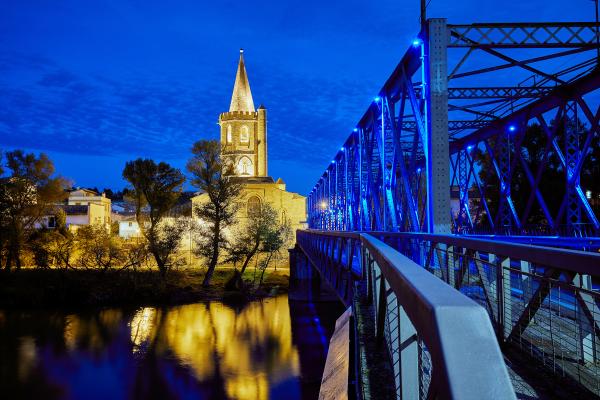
205 350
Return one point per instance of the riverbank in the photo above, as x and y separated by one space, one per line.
31 288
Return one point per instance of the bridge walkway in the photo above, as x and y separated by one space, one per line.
539 302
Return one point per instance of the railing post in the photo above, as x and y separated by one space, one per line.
451 264
587 336
381 311
504 295
409 357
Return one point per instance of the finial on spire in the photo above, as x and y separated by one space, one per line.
241 100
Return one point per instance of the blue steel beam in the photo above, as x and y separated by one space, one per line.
388 186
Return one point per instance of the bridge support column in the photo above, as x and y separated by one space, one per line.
437 150
305 282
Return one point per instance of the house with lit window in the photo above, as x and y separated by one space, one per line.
83 207
244 147
129 227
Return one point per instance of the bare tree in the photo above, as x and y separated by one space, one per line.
217 213
155 189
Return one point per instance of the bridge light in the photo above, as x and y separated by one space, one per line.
342 149
418 170
376 99
323 205
355 129
333 161
469 148
512 128
416 42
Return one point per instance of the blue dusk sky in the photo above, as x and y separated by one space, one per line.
96 83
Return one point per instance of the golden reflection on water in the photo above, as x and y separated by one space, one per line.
27 357
142 327
91 329
250 350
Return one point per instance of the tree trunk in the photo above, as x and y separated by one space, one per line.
214 257
211 268
249 257
8 259
262 274
160 264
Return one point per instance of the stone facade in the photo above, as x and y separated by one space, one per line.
244 145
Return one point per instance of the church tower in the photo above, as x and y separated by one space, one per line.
244 129
244 146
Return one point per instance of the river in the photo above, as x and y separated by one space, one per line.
268 349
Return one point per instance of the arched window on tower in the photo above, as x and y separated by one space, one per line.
244 135
229 134
245 167
253 207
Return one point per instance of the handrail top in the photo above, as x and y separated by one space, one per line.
566 259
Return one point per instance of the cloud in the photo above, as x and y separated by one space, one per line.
53 109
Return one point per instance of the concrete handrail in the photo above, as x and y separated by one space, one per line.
467 361
466 358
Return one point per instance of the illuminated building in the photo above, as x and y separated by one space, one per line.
244 146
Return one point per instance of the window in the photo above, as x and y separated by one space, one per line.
131 224
253 206
229 134
244 136
245 167
52 222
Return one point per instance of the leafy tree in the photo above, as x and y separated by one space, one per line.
247 240
98 249
218 211
26 195
53 247
155 189
276 238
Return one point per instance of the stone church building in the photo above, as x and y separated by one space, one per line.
244 145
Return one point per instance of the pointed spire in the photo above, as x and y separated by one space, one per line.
241 100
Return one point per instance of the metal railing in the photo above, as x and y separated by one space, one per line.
541 300
440 343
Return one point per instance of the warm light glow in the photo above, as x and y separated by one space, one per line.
142 327
323 205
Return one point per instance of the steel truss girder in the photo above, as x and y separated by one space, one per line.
571 153
411 126
495 92
376 179
524 35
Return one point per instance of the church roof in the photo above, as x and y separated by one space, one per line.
241 99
